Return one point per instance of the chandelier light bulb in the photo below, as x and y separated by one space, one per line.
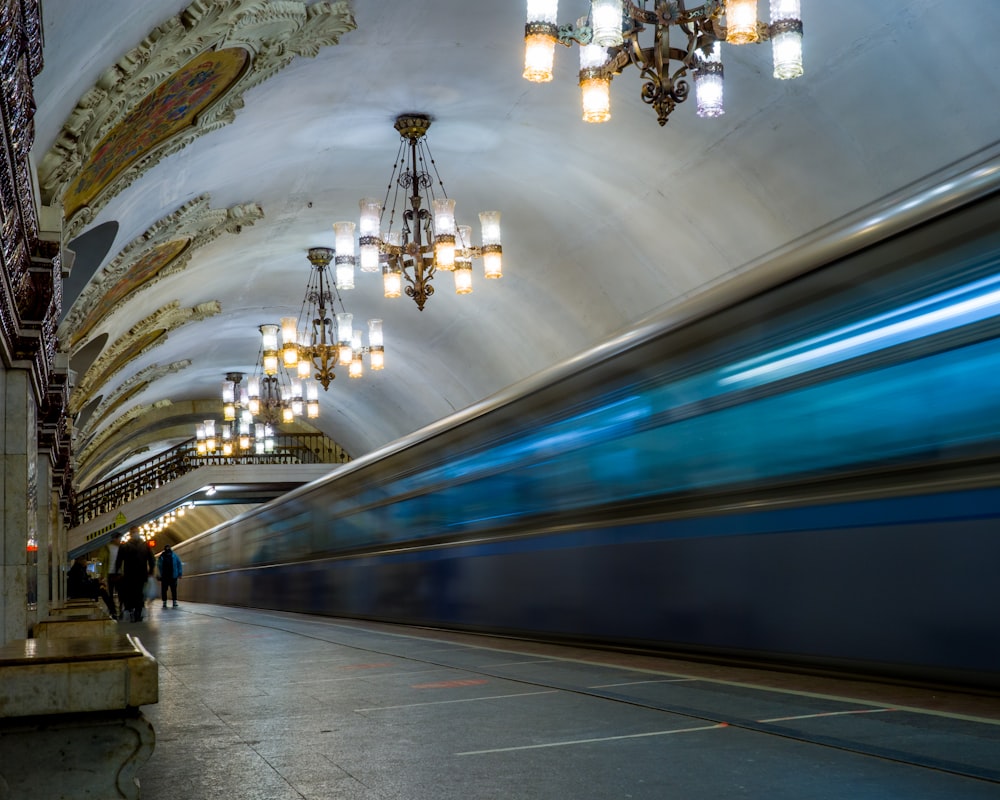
595 87
540 40
392 275
368 233
492 249
444 233
463 278
357 368
269 336
606 19
289 351
786 38
708 83
345 333
375 337
595 97
344 232
741 22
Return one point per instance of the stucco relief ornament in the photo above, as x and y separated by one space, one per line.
137 383
90 450
186 78
141 338
164 249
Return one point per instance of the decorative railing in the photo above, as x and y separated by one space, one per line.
151 474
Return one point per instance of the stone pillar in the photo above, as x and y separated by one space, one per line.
18 514
46 548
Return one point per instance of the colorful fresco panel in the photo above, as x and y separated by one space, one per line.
144 270
169 108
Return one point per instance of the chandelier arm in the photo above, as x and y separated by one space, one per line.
568 34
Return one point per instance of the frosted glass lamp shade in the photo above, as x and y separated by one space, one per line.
595 95
444 233
741 22
786 38
463 279
606 19
708 84
345 259
368 233
540 40
492 249
375 337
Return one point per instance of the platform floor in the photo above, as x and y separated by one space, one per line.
275 706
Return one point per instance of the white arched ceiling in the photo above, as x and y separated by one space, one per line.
602 224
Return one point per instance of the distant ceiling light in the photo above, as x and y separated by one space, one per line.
609 42
429 238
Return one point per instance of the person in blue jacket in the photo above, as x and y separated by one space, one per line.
168 569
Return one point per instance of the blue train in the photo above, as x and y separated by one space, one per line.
799 467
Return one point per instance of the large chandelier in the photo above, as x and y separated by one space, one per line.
428 239
313 344
609 42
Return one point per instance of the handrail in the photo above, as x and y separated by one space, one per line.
154 472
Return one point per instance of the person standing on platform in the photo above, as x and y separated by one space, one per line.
135 564
168 569
109 570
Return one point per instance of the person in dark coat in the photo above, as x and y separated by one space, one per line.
81 585
135 564
168 569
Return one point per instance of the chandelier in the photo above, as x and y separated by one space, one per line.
609 40
428 239
313 344
249 416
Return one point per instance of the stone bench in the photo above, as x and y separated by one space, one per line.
74 627
81 609
70 719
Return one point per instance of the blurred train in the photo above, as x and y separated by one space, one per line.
798 467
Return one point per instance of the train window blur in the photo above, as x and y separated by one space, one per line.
897 367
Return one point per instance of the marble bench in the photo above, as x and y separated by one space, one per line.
66 627
80 609
70 719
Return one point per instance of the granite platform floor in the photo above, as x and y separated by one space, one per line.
260 704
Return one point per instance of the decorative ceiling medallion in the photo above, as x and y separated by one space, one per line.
140 338
207 56
164 249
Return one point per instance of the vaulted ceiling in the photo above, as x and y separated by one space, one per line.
190 218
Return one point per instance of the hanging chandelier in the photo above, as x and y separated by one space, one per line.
609 40
428 238
318 340
248 422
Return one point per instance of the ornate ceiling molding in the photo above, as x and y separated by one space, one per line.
137 383
88 452
141 338
164 249
270 33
